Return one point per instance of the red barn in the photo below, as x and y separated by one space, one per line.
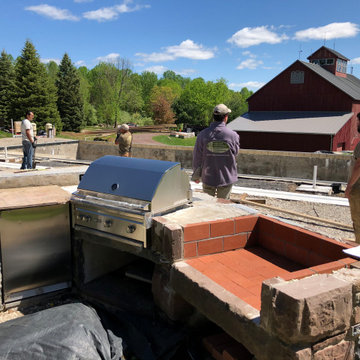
309 106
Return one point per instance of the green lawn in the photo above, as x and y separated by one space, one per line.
171 140
4 134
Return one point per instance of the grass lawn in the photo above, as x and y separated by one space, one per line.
4 134
171 140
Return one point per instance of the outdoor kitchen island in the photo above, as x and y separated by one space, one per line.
266 283
279 290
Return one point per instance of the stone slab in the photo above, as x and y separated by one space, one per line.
32 196
306 310
206 208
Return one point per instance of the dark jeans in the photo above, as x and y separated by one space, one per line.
28 151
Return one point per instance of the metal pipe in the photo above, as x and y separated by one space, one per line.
314 176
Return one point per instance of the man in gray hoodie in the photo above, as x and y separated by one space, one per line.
214 157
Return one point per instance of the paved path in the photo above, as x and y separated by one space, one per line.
146 138
139 138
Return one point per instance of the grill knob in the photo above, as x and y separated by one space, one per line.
130 229
108 223
114 187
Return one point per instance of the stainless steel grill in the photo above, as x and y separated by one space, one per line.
120 196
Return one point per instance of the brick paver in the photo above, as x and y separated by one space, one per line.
242 272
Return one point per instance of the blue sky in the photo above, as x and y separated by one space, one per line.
246 42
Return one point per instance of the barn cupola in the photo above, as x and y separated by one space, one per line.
330 60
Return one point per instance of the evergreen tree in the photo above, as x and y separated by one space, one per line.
33 89
6 89
70 102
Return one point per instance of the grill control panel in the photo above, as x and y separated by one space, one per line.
122 226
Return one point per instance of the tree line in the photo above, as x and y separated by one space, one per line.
72 98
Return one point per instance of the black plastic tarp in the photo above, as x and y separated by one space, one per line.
71 331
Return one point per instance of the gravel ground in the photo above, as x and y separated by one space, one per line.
340 214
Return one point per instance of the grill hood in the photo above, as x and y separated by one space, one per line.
161 184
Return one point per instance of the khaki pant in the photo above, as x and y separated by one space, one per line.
222 192
354 200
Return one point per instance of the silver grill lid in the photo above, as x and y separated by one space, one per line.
162 183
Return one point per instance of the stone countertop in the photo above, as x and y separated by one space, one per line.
207 208
19 198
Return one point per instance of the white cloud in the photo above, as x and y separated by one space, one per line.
155 57
254 36
251 64
355 61
46 61
252 85
104 14
186 72
52 12
80 63
249 54
110 58
83 1
328 32
113 12
158 69
187 49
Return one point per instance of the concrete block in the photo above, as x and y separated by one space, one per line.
172 243
341 351
268 291
352 276
328 342
165 297
307 310
167 239
157 233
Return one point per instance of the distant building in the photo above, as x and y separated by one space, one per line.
309 106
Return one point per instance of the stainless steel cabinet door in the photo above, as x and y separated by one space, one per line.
35 250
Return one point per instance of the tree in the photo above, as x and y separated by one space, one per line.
7 78
90 117
131 99
103 92
52 69
161 100
124 67
237 105
70 104
148 81
34 90
171 76
196 103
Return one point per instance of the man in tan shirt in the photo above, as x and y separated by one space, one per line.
124 140
353 189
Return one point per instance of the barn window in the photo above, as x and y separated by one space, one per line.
329 61
297 77
341 66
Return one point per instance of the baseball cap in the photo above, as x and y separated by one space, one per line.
221 109
124 127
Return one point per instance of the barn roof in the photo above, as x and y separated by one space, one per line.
336 53
296 122
349 84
